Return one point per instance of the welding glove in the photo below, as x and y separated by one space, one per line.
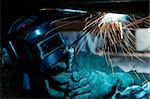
57 82
90 83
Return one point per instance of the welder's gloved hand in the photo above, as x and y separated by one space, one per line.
56 85
57 82
90 83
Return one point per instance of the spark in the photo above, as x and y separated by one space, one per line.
115 31
121 30
63 25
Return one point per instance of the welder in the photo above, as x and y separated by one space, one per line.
49 68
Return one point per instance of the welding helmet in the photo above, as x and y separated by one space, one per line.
33 46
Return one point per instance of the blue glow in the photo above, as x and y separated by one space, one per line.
71 10
38 32
26 82
35 34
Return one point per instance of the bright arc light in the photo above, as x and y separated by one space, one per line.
38 32
114 17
